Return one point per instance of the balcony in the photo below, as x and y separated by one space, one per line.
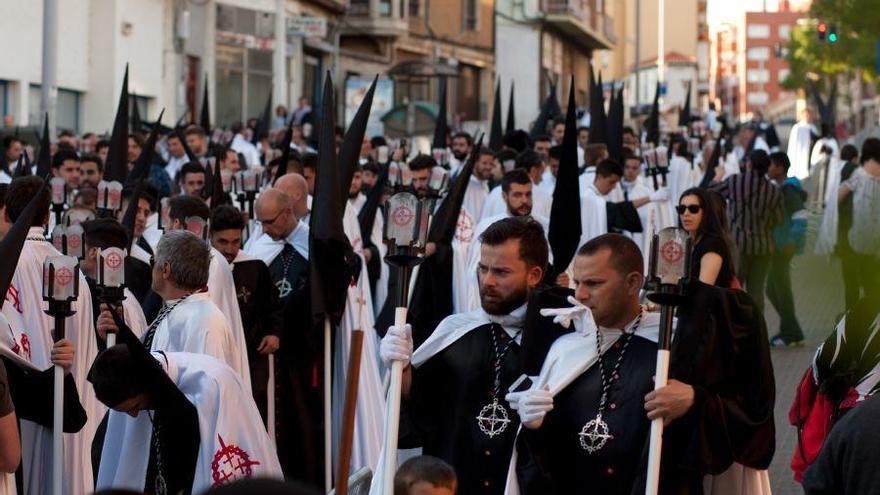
375 18
578 20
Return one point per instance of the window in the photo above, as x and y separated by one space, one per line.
471 11
67 111
468 90
785 31
415 8
759 53
758 75
757 98
783 75
385 8
758 31
245 21
143 105
4 98
359 7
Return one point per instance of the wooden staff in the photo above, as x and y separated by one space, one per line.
351 394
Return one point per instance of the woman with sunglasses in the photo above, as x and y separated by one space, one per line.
702 214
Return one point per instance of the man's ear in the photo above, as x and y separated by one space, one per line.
634 282
534 276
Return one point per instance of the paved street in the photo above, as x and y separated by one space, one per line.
818 291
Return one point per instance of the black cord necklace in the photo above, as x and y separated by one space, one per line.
594 435
493 418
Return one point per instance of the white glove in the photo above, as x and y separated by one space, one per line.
661 194
577 313
532 406
396 345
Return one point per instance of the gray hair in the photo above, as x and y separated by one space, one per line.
189 258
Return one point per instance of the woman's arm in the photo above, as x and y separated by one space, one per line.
10 445
710 267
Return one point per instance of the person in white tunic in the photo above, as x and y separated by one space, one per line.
799 142
191 213
533 163
632 187
25 311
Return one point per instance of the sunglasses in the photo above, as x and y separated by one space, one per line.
694 209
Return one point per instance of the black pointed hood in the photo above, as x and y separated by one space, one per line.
12 244
264 124
285 153
441 128
141 168
652 125
350 150
550 112
511 113
116 167
598 118
495 132
446 217
218 196
564 232
44 156
24 165
329 248
615 126
205 116
684 116
136 125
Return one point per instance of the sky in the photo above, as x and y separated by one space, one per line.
721 11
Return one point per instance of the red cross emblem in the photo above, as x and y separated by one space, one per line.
464 230
13 297
73 241
231 463
63 276
114 260
402 216
26 346
671 252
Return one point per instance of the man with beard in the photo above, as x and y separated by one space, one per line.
454 391
571 397
138 263
517 194
462 144
534 164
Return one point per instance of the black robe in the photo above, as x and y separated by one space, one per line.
721 349
623 217
138 277
553 461
178 439
448 391
260 316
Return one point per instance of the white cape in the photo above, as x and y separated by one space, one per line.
594 214
212 387
24 311
826 239
799 149
221 288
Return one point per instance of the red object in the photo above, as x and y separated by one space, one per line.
734 284
812 413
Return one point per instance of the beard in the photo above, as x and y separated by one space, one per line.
503 305
353 195
460 155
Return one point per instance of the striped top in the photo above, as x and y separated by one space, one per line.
754 205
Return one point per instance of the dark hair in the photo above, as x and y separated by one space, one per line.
849 153
517 140
530 234
148 192
555 152
629 130
182 207
593 152
485 150
196 130
117 376
190 168
8 140
760 161
463 135
21 191
626 257
629 154
608 167
424 468
310 160
91 157
528 160
138 140
226 217
422 162
515 176
543 137
714 222
86 196
871 150
62 155
377 141
504 155
102 143
780 159
105 233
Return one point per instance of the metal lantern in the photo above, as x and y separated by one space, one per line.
164 213
670 263
382 154
440 155
404 226
60 279
694 145
59 238
226 180
109 195
197 225
394 175
58 187
75 238
75 216
662 156
439 179
111 268
405 175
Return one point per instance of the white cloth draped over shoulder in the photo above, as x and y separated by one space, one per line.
211 386
799 149
826 239
221 288
24 311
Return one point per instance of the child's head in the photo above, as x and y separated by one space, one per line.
425 475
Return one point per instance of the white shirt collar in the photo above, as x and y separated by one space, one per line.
511 323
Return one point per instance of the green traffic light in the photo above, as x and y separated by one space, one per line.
832 38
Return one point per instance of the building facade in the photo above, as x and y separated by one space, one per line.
725 76
539 41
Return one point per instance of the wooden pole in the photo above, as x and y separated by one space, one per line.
328 411
351 394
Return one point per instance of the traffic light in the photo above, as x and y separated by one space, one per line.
821 32
832 33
